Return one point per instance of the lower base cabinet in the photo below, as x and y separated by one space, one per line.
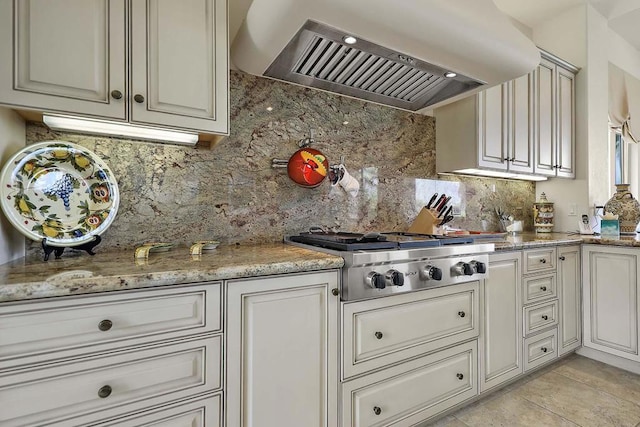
282 364
611 300
540 349
202 412
97 388
570 296
501 326
409 393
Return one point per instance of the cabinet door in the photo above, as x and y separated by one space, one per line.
611 300
501 329
545 121
565 147
410 393
492 129
282 351
179 64
521 132
569 285
64 56
383 331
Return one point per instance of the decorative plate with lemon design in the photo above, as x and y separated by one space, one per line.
59 191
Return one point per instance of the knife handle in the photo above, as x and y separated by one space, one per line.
439 202
431 200
443 204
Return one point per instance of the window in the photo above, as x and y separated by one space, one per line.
618 159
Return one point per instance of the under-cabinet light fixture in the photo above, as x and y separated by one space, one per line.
103 127
496 174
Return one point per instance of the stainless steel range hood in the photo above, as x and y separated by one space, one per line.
400 53
318 57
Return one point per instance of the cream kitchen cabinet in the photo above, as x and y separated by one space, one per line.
159 63
281 357
501 313
408 357
411 393
495 128
555 110
512 128
505 126
382 331
570 298
64 56
93 359
611 299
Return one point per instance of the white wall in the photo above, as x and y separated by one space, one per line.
566 37
625 56
12 139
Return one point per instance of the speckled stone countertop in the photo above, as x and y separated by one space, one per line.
112 271
534 240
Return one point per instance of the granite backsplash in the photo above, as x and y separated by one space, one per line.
232 194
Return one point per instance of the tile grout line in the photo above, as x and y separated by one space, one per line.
600 391
458 419
553 412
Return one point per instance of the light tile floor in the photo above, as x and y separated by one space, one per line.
574 392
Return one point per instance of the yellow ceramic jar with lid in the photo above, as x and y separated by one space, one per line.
543 215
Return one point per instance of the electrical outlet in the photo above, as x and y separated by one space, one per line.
573 207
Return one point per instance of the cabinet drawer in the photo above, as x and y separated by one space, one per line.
539 260
540 316
37 331
412 392
92 389
540 349
386 330
203 412
539 287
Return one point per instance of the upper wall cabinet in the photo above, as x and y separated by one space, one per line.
505 126
154 62
517 127
555 127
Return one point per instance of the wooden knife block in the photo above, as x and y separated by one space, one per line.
427 222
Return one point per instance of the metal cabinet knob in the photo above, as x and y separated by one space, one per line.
335 292
460 376
543 288
544 349
105 325
561 258
543 260
138 98
461 313
545 317
104 391
378 335
377 410
116 94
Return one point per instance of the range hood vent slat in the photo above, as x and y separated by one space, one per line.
321 59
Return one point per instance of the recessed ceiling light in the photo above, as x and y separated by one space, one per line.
269 108
450 74
350 39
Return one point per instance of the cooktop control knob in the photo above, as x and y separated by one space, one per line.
430 272
463 269
375 280
479 267
394 278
